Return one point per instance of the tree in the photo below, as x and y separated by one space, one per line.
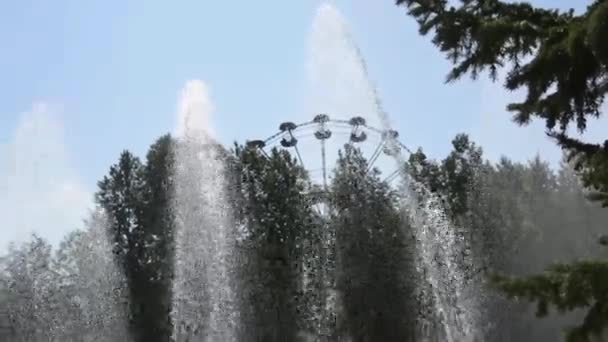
375 268
277 219
121 196
566 78
576 211
30 281
472 202
91 289
76 293
158 223
460 168
137 200
6 329
581 284
518 218
566 287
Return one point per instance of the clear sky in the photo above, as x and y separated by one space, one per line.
82 80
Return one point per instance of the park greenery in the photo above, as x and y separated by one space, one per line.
532 231
560 59
518 218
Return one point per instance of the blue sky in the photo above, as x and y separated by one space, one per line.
108 75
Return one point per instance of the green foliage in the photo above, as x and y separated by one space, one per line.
157 223
278 217
136 197
120 194
590 161
519 219
567 287
29 275
374 261
559 58
58 295
453 177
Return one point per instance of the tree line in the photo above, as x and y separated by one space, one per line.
114 278
517 218
560 59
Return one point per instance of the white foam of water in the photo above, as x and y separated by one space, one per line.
340 84
203 304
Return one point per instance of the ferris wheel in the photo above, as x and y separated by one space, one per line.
324 136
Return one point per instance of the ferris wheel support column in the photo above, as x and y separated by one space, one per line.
323 134
324 164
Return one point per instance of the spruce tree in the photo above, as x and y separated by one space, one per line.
137 198
375 269
158 229
559 58
121 195
277 221
514 219
464 183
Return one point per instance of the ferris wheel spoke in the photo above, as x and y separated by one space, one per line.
264 153
375 155
299 156
391 177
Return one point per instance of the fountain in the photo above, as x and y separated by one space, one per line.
205 306
76 294
341 84
206 288
203 303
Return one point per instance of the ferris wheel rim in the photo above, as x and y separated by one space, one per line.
270 140
388 139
